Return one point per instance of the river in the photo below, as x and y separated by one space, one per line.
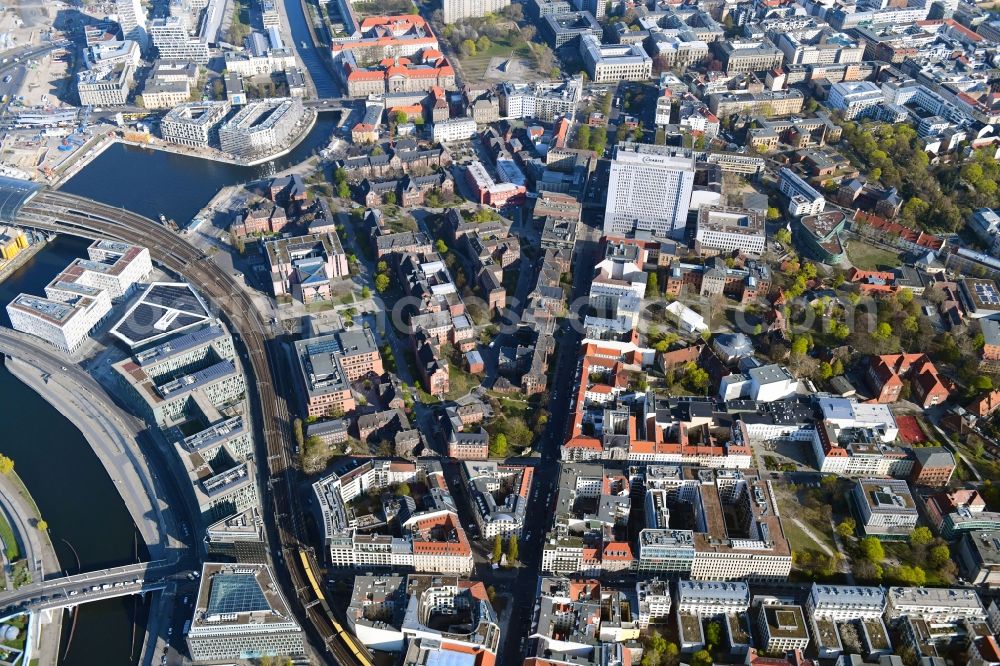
73 492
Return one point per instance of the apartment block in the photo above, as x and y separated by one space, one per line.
432 540
194 124
261 127
499 496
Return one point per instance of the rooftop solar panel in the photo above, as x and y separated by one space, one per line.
163 309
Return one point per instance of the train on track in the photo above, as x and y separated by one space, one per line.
66 213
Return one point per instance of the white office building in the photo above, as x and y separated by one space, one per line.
132 19
105 85
854 98
80 297
173 42
885 506
65 325
540 100
654 601
937 605
649 190
707 598
803 198
723 229
454 129
239 614
610 63
842 603
456 10
113 53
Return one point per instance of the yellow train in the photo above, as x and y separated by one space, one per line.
357 649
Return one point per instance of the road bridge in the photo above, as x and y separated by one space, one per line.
69 591
70 214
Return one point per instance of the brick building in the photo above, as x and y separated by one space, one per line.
933 466
886 375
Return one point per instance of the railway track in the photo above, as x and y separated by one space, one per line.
67 213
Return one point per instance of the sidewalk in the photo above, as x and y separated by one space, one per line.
111 441
38 549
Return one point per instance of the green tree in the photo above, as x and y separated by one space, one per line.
499 446
340 175
483 43
921 536
671 654
939 556
652 285
696 377
713 635
825 371
497 548
43 526
513 550
654 649
403 489
382 267
366 292
389 198
773 214
702 658
401 117
800 344
907 575
381 283
468 47
599 140
883 331
583 137
872 549
982 383
846 527
344 191
296 432
6 465
441 247
783 236
838 367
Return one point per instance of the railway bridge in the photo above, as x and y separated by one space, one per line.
28 205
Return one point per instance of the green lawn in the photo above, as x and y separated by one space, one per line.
9 542
475 66
460 382
870 258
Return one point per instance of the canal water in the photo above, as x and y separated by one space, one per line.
151 182
74 494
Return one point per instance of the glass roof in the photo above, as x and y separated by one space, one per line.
236 593
14 193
